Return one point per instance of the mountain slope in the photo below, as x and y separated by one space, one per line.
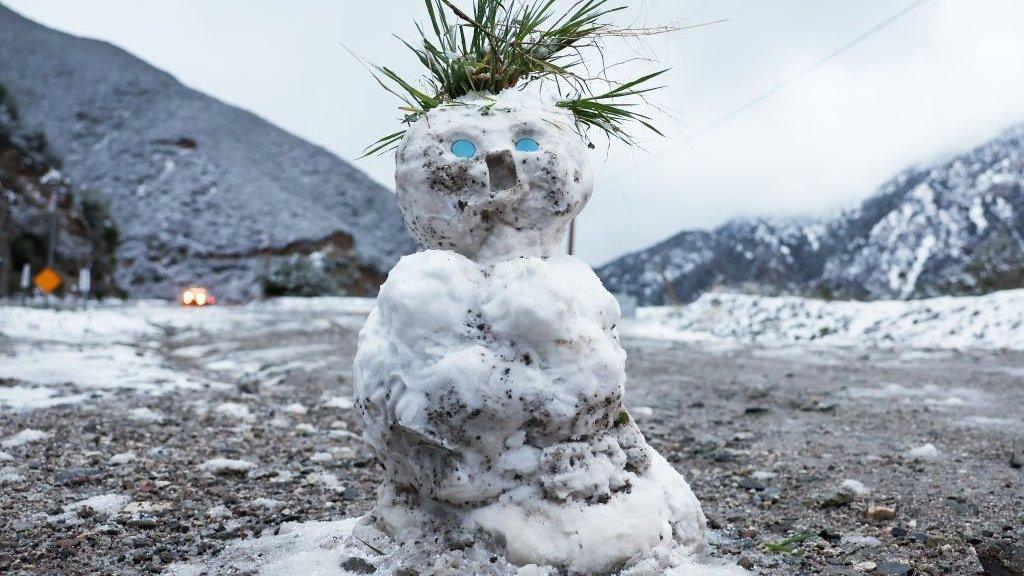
201 191
954 228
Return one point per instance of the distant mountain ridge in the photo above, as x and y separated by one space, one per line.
201 192
953 228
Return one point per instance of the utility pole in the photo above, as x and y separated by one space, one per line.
6 257
51 247
52 243
572 237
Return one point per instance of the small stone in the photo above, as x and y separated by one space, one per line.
143 522
1017 459
836 499
745 562
865 566
893 569
75 476
85 511
1000 558
358 565
881 513
748 533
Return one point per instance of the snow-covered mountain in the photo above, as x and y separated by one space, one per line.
953 228
200 191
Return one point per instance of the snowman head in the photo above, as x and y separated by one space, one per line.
492 177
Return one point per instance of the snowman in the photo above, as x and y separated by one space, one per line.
489 379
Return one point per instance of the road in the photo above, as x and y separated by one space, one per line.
766 436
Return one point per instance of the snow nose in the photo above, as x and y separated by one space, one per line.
502 170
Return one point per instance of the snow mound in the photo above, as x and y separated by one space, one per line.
146 415
226 466
924 452
327 548
994 321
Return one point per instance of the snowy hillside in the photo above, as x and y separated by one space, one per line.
200 191
954 228
994 321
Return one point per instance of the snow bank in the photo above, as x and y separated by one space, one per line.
994 321
55 354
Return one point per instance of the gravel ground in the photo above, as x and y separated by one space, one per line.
788 449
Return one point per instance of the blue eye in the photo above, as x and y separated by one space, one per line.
464 149
527 145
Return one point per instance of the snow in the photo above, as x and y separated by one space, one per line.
10 475
298 549
924 452
855 487
60 357
993 321
146 415
103 504
510 203
318 548
226 466
454 337
234 410
339 402
295 408
5 457
122 458
26 436
34 397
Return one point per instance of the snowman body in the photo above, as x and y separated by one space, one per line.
489 378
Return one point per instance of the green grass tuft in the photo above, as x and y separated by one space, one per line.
507 44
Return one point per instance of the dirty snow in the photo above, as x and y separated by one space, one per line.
924 452
315 549
226 466
26 436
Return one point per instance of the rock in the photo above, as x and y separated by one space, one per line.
358 565
75 476
881 513
865 566
1017 459
143 522
748 533
836 499
1001 558
893 569
746 562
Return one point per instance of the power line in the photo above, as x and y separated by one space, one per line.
773 90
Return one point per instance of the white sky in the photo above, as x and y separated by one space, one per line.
939 80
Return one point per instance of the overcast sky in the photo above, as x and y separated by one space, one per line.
938 80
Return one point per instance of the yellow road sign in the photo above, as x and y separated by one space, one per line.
47 281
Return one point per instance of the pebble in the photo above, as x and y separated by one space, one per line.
893 569
358 565
881 513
